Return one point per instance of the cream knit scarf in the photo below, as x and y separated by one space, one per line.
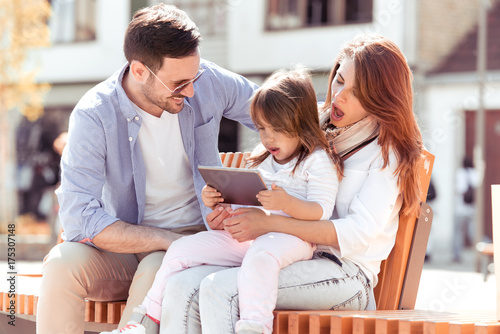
345 140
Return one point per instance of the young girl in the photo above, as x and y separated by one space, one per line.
302 174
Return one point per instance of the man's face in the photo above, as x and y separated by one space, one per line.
174 73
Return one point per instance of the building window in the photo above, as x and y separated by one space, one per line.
72 21
292 14
208 15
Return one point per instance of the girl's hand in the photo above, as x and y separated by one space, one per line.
211 197
275 199
215 218
247 224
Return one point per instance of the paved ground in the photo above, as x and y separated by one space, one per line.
448 286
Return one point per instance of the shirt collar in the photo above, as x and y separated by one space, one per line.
126 106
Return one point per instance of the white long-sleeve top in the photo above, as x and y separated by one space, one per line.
366 213
314 180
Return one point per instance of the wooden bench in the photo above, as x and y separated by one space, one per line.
395 293
383 322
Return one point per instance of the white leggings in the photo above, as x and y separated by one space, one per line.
260 260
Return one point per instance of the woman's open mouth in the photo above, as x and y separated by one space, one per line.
336 113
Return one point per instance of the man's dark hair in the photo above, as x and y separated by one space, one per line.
158 32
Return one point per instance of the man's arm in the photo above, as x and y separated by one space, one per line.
122 237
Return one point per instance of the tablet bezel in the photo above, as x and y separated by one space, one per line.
237 185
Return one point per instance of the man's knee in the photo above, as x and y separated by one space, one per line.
64 258
146 269
64 272
151 262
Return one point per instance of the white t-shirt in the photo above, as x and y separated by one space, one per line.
170 195
315 179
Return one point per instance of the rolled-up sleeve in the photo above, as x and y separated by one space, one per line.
83 168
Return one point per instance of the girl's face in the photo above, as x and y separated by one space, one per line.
346 108
283 147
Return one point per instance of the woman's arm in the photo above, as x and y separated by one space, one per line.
249 223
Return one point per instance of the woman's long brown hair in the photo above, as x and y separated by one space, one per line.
383 85
287 101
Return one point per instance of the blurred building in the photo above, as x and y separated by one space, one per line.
256 37
450 101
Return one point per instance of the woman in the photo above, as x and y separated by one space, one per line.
368 118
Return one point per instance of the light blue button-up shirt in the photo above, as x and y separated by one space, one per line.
103 173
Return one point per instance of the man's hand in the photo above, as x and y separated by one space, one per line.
275 199
215 218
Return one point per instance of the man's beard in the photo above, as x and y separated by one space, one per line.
168 105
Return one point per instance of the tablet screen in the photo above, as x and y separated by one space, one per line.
237 185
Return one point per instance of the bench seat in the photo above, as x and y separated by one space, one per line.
100 316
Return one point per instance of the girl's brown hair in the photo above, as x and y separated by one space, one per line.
383 85
287 101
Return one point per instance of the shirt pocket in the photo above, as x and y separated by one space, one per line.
206 139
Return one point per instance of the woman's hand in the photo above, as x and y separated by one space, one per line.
247 224
275 199
216 217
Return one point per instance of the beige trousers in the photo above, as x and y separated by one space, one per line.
73 272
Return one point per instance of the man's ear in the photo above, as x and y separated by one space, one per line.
139 71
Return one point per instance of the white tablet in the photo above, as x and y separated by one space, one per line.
237 185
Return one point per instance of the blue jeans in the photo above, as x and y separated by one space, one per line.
212 291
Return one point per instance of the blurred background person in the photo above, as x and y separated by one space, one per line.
467 180
37 166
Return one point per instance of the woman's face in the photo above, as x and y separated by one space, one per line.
346 108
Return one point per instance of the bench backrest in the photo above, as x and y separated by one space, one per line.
404 264
399 275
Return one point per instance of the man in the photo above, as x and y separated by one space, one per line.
130 184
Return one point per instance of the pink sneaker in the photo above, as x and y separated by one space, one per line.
132 328
139 323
